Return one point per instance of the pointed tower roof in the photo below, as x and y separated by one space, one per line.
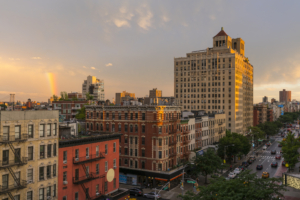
221 33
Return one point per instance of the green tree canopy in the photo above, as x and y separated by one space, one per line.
246 187
81 113
89 96
64 96
206 164
290 150
55 98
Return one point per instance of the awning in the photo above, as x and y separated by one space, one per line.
176 177
161 179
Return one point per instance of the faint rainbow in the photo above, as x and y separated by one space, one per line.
52 83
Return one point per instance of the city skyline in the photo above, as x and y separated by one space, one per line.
135 43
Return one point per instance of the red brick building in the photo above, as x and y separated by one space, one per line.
151 141
198 133
89 168
255 117
269 115
68 109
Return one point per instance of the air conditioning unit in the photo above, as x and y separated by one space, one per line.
76 159
97 193
65 182
49 197
87 157
115 167
65 162
29 181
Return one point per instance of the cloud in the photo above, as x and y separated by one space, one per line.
14 58
36 58
84 66
165 18
120 23
144 20
108 64
93 68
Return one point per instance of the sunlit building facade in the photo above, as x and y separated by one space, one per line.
217 78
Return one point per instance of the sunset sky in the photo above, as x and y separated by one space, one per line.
131 45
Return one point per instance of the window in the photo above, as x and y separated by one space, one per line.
114 147
143 165
136 128
97 151
5 181
159 154
17 197
135 164
119 127
41 174
136 116
49 150
54 130
42 130
130 152
119 115
105 186
6 133
115 165
65 198
143 129
41 194
106 166
54 170
48 130
126 151
125 140
143 140
42 151
54 190
30 175
143 152
97 168
17 132
87 152
65 156
64 176
30 131
29 195
125 127
131 116
30 153
76 196
114 183
54 149
126 116
135 140
135 152
143 116
106 150
125 161
49 171
5 157
97 188
49 191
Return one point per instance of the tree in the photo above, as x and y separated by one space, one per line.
207 164
247 187
89 96
268 127
290 150
256 134
55 98
64 96
81 113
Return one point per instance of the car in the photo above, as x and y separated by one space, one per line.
232 175
283 163
237 170
268 144
136 192
280 151
242 168
278 157
264 147
279 145
273 152
274 164
265 175
227 178
151 195
246 164
259 166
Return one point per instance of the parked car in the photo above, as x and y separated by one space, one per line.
232 175
136 192
274 164
151 195
280 151
265 175
279 145
246 164
259 167
268 144
237 170
242 168
278 157
265 147
273 152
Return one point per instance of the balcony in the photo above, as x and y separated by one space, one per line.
172 155
172 143
9 163
185 142
8 188
12 138
173 131
89 158
86 178
187 153
220 123
198 138
96 197
185 132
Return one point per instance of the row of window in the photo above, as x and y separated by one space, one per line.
44 129
203 62
107 115
49 191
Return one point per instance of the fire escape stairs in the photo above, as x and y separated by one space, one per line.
11 196
84 189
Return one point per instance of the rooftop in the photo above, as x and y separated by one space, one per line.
221 33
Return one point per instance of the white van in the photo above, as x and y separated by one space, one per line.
264 147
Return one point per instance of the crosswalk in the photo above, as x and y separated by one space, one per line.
267 157
277 152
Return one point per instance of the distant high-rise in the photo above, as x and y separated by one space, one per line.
94 87
217 78
285 96
123 96
265 99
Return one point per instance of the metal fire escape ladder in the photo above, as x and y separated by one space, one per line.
14 176
84 189
11 196
13 150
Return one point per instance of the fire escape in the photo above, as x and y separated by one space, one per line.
7 164
88 175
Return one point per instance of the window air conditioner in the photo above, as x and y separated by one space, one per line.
76 159
97 193
65 182
65 162
115 167
87 157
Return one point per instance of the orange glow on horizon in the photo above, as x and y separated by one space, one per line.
52 83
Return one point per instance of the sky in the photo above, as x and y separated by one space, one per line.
52 46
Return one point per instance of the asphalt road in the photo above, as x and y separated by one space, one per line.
266 158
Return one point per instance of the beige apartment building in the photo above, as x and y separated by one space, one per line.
123 96
217 78
29 155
